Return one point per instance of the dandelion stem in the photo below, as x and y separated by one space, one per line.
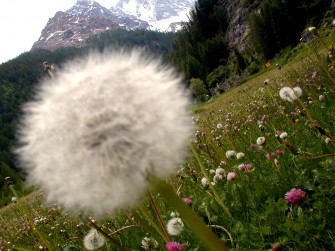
190 218
114 241
158 216
124 228
203 170
22 208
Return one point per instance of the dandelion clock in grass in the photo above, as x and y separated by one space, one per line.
96 135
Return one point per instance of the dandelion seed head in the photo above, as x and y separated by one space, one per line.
93 240
106 125
175 226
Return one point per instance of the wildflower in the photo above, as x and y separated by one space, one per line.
204 182
148 243
276 162
175 226
295 197
219 126
188 201
266 81
80 224
212 171
217 177
297 91
287 94
260 140
175 246
321 97
283 135
14 199
247 166
312 29
277 247
231 176
105 126
252 146
241 167
260 147
278 152
268 156
93 240
230 153
327 140
240 155
220 171
174 214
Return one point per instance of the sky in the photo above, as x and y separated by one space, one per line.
22 21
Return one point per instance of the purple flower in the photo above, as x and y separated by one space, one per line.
277 246
295 197
188 201
175 246
260 147
248 166
231 176
268 156
278 152
252 146
321 97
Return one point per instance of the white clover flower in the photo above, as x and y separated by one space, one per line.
327 140
240 155
220 171
93 240
107 124
219 126
217 177
204 182
283 135
212 171
13 199
260 140
230 153
175 226
174 214
145 243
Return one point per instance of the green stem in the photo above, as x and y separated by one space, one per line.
190 218
148 228
217 197
158 216
23 209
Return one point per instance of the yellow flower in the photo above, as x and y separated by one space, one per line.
297 120
319 88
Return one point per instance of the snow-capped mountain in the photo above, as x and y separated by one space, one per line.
87 17
161 15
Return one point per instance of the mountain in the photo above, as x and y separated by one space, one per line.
85 18
162 15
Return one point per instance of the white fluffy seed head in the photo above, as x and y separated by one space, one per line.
107 124
287 94
240 155
93 240
175 226
230 153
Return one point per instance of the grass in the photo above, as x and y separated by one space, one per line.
241 198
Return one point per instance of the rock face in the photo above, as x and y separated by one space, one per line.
85 18
237 16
